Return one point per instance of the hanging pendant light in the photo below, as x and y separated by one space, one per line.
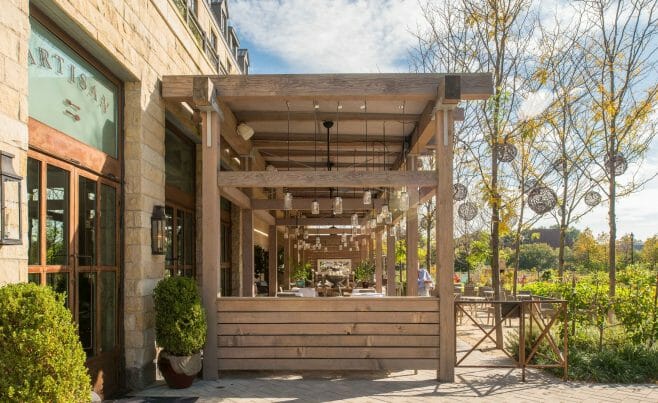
340 247
388 218
367 197
287 201
326 249
305 234
367 194
338 205
317 241
403 200
385 209
355 220
315 207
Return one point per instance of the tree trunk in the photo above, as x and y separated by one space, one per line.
612 271
517 249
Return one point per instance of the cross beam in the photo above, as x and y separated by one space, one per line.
343 179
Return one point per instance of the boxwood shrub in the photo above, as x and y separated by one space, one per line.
41 358
180 321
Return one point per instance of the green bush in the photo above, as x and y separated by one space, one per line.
41 358
180 321
364 271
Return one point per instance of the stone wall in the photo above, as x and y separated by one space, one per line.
14 31
139 41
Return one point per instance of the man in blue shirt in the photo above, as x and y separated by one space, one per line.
425 284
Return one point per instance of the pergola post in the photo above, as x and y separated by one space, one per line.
390 264
271 273
286 263
210 237
378 261
445 244
412 234
247 252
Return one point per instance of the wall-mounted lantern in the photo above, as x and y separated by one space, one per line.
158 221
11 216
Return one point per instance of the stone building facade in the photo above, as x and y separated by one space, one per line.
90 196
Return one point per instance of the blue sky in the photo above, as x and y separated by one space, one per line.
358 36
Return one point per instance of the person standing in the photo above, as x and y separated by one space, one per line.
425 284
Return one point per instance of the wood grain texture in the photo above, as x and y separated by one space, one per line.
327 333
352 340
346 179
324 364
305 203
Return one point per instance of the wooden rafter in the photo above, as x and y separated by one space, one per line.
345 179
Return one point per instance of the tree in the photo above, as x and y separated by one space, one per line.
537 256
620 53
587 252
650 251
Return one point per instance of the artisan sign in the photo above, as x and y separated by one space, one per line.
68 94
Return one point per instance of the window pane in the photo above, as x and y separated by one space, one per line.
87 222
57 215
180 238
169 236
189 239
59 282
108 225
179 163
87 310
33 213
34 278
108 310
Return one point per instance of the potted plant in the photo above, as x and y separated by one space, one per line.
300 273
180 330
363 272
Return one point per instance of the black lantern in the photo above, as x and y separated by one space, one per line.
11 221
158 220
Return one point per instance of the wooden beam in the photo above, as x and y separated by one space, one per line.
272 261
378 261
210 234
390 266
298 164
237 197
311 146
265 216
274 115
445 253
203 94
305 204
247 243
348 137
346 179
178 88
313 221
410 86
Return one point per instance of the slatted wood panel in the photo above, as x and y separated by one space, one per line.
332 334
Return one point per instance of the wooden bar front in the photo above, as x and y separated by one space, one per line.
336 334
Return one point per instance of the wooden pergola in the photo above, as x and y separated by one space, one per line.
380 124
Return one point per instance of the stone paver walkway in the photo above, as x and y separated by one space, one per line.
493 385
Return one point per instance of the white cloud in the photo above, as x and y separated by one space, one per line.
317 36
534 104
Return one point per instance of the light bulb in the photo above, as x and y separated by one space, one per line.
355 220
317 240
315 207
287 201
338 205
326 249
305 234
404 201
367 197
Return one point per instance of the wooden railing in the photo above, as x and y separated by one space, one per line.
333 334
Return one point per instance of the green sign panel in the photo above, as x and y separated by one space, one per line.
68 94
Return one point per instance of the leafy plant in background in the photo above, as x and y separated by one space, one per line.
301 271
364 271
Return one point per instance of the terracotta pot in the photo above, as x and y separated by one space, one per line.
174 380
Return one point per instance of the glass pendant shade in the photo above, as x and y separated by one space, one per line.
380 218
355 231
315 207
305 234
285 233
404 201
317 240
350 249
287 201
340 247
326 249
367 197
295 246
373 223
343 238
389 218
338 205
355 220
385 209
296 231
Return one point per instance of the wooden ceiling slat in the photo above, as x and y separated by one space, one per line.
271 116
345 179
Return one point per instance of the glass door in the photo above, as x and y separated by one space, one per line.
73 244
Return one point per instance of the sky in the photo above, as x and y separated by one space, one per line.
358 36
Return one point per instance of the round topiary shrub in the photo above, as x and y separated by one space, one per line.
180 321
41 358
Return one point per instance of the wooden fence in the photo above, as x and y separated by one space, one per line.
329 334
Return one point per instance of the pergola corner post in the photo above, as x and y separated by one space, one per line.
210 236
247 252
444 242
390 265
412 234
378 261
272 261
